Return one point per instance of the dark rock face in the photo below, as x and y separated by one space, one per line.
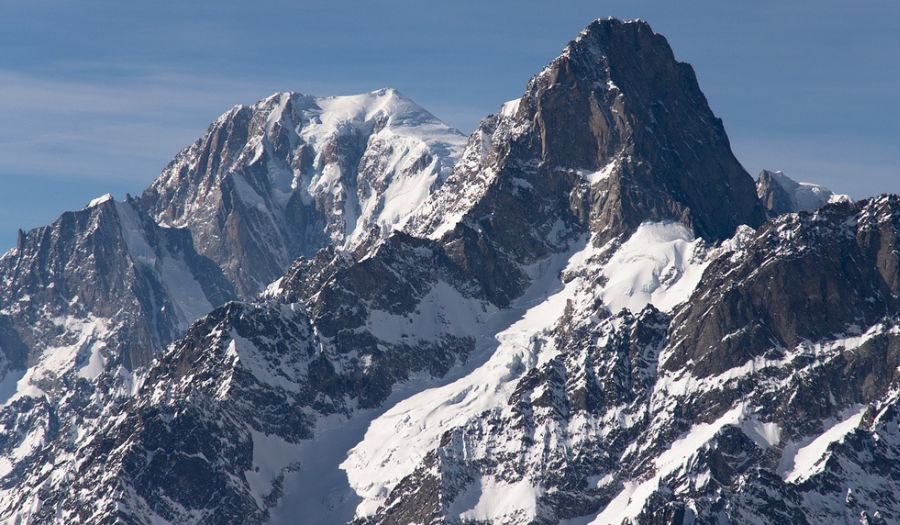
612 133
671 144
802 277
86 302
109 263
182 444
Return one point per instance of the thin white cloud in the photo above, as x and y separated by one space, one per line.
60 121
127 127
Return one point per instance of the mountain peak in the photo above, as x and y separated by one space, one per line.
609 37
294 173
605 26
614 123
100 200
781 194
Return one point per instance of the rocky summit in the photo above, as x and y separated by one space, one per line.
336 310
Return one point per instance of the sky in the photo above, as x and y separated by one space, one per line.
97 96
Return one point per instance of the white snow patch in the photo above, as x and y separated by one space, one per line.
797 464
660 264
316 488
183 289
509 109
28 446
408 134
494 500
185 292
447 224
810 196
56 361
271 454
60 359
96 363
9 384
806 196
273 290
600 481
407 185
100 200
135 237
839 197
603 174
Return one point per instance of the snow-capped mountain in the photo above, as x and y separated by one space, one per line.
588 321
89 302
293 174
738 406
781 194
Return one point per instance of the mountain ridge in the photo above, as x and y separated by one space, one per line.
293 173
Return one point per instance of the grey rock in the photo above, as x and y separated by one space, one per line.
109 262
780 194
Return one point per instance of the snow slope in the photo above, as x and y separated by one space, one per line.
659 264
803 462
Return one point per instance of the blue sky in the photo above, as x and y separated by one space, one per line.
97 96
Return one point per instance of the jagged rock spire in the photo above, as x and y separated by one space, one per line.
612 133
